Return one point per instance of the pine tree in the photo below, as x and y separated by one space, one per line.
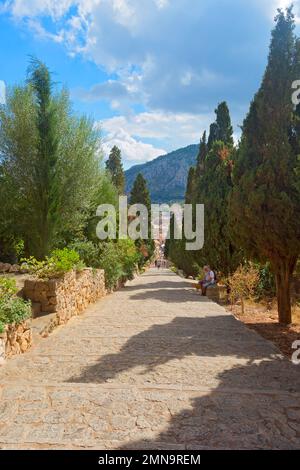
115 168
221 129
265 201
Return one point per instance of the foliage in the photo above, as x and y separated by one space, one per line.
55 265
214 189
129 256
266 286
50 165
243 284
8 287
210 184
105 193
221 130
119 260
190 187
140 195
203 150
88 252
115 168
12 309
265 209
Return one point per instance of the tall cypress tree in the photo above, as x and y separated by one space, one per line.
191 186
221 129
49 165
40 80
215 187
140 192
140 195
203 150
265 201
115 168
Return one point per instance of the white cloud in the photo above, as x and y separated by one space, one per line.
133 150
175 130
30 8
166 56
170 127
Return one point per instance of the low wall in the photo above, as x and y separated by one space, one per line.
217 293
10 268
16 339
65 297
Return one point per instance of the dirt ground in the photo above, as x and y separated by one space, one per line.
263 318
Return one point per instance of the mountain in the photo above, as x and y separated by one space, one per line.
166 175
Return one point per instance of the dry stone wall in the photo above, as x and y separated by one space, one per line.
65 297
16 339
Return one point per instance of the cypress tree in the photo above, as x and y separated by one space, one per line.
49 165
221 129
203 150
191 186
265 209
216 184
115 168
140 195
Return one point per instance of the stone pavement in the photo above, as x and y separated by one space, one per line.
153 366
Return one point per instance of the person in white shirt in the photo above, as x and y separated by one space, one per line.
208 280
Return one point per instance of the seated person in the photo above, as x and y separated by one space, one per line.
208 280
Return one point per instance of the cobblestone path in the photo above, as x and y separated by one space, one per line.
153 366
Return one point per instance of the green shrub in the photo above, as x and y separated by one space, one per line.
129 257
266 286
8 287
88 252
119 260
56 265
109 260
12 309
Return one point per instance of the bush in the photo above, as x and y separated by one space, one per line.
56 265
88 252
109 260
129 256
243 284
8 287
119 260
12 308
266 286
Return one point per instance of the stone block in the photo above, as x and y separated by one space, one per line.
217 293
36 309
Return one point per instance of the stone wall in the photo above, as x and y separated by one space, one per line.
11 268
16 339
217 293
65 297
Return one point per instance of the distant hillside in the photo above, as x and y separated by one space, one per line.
167 175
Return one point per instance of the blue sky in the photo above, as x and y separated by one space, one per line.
150 72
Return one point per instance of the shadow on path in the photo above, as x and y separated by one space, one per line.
215 336
232 418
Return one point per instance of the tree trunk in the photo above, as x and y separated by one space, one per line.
243 305
283 273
